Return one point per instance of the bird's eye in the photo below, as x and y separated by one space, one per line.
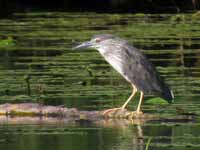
98 40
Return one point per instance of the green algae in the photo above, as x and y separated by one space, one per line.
7 43
43 51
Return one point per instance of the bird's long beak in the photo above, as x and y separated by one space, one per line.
83 45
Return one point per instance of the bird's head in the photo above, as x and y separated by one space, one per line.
97 42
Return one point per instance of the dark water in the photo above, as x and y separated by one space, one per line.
40 66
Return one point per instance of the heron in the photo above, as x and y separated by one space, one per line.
133 65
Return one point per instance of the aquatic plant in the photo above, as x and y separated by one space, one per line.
148 143
9 42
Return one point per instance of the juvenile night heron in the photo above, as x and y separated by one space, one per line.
132 65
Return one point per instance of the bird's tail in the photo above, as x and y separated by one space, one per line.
168 95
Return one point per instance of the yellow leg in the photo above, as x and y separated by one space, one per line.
129 99
138 112
124 105
140 102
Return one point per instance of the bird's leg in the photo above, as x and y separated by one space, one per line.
130 97
140 102
138 112
124 105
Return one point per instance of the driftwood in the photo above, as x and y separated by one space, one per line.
34 109
37 113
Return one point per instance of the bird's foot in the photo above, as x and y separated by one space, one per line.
115 113
136 114
111 110
121 113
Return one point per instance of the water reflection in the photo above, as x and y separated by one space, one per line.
61 134
138 141
100 122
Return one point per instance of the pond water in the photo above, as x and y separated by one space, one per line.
38 64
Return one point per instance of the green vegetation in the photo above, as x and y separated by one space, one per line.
83 78
6 43
157 101
39 66
148 143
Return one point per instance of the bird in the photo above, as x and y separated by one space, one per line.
133 65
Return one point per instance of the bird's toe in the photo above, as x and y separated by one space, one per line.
136 114
114 113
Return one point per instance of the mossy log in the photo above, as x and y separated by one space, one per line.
34 109
31 113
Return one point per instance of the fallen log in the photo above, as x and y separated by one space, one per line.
37 113
34 109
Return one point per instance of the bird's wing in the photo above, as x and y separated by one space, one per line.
141 72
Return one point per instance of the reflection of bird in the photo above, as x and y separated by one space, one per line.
132 65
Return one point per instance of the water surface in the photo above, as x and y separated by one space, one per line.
41 66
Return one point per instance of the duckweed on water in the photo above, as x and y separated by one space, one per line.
7 43
43 50
83 79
